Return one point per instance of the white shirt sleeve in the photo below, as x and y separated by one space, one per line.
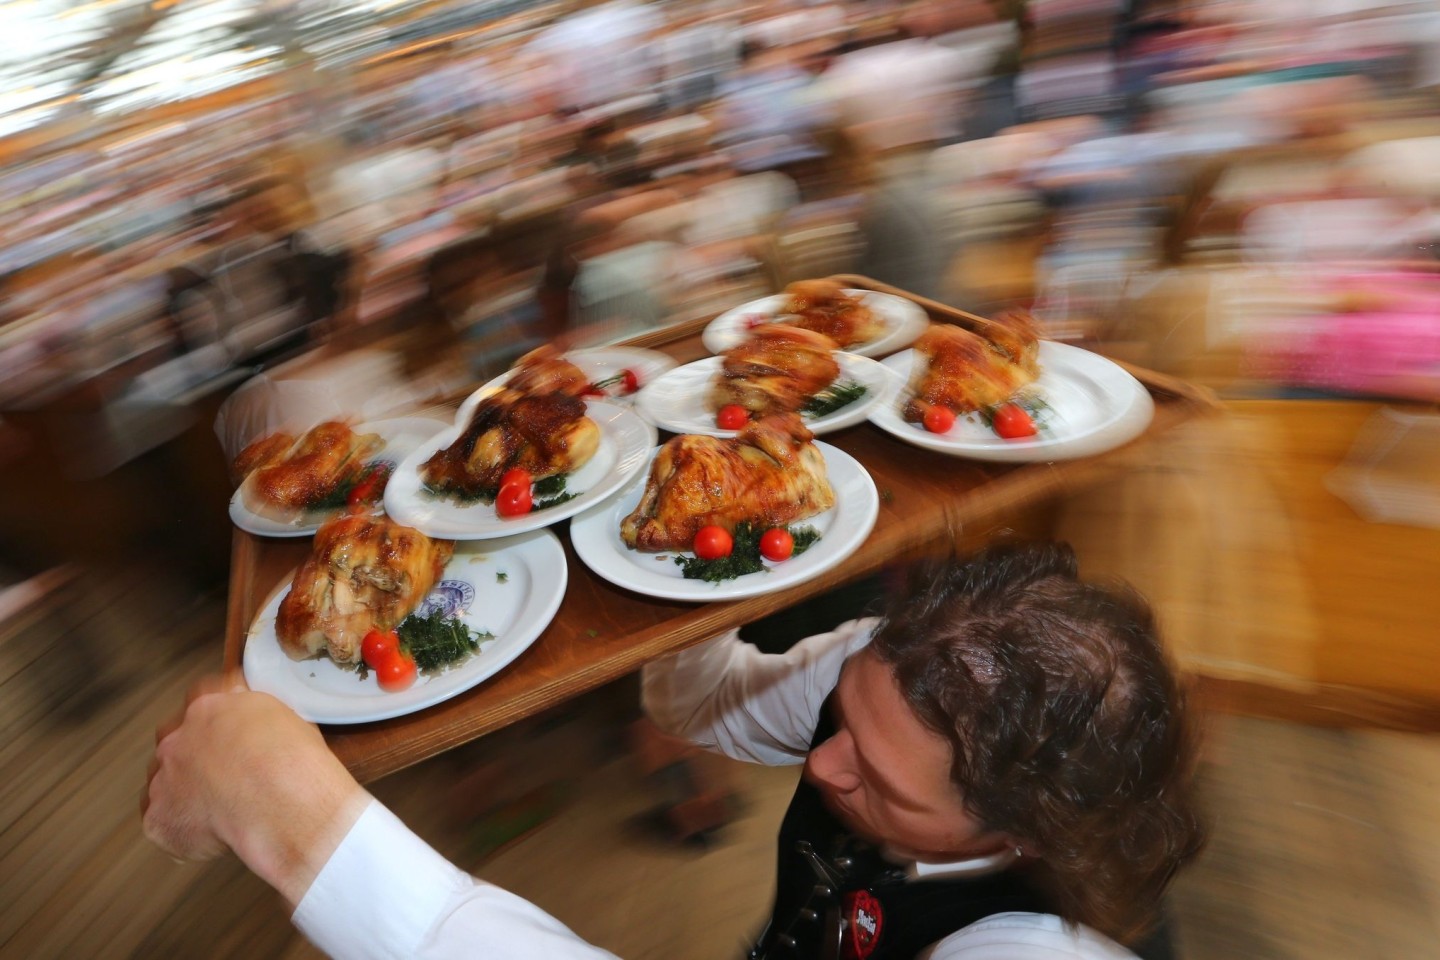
1025 936
727 696
387 895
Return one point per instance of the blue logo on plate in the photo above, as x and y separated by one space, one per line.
450 597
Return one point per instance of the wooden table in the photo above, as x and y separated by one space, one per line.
603 632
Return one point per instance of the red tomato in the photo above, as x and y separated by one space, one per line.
630 381
515 475
514 501
1012 422
592 391
777 544
370 488
732 416
712 543
396 672
939 419
377 646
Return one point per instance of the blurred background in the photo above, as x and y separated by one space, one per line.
389 201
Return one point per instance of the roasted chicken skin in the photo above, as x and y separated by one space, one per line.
824 307
769 475
364 572
775 370
544 434
545 370
963 371
326 457
265 452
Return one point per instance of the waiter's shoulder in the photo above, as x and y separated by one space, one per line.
1026 936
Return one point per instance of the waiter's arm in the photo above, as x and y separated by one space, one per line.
727 696
241 771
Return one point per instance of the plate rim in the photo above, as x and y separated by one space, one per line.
714 336
549 600
536 520
1128 420
252 523
699 591
860 413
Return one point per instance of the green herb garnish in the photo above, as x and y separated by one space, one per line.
502 577
839 395
437 641
549 486
744 557
462 497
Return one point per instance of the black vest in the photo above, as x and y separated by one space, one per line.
836 898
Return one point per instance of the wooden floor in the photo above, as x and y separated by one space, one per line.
1325 841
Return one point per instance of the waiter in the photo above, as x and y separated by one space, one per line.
997 768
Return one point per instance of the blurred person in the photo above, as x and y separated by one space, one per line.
766 114
999 767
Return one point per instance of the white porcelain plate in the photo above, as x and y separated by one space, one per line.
680 400
401 435
625 444
1093 405
598 364
516 608
904 322
595 535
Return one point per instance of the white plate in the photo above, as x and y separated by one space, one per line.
595 535
904 322
1094 406
401 436
625 444
516 612
602 363
680 400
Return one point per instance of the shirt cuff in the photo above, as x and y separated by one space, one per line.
355 908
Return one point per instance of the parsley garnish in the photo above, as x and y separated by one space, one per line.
437 641
839 395
502 577
744 557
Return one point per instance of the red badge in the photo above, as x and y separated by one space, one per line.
864 919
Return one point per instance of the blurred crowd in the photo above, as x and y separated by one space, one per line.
1234 190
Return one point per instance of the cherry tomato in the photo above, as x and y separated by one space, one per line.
514 501
1012 422
939 419
712 543
396 672
371 486
732 416
777 544
377 646
592 391
515 475
629 381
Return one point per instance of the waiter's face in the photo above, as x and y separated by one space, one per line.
887 776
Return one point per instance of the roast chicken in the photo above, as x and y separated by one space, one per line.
545 370
964 371
775 370
769 475
326 457
364 572
543 433
824 307
265 452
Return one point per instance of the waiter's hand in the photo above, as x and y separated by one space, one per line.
241 770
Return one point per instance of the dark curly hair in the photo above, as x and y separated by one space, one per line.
1068 726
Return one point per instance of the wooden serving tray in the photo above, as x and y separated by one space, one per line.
602 632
